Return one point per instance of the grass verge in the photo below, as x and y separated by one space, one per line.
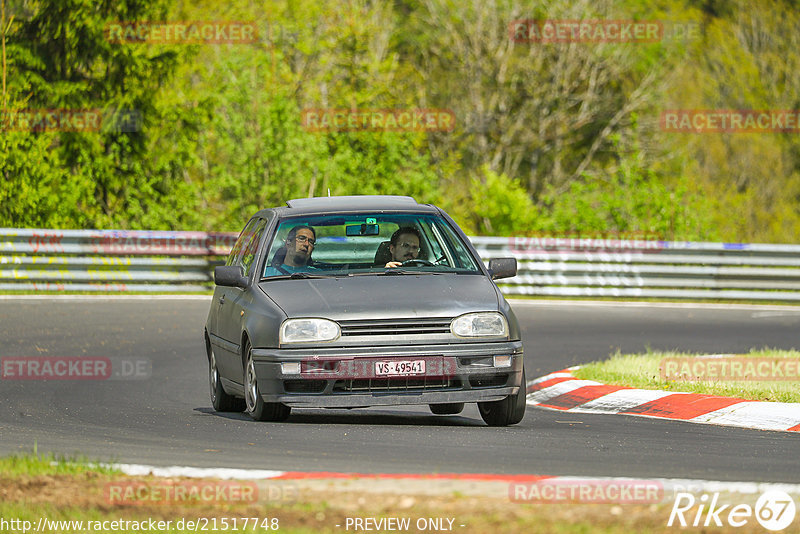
30 465
644 371
663 300
65 493
208 293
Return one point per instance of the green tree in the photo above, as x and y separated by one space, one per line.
60 58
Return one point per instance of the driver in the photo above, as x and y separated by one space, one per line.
299 245
404 246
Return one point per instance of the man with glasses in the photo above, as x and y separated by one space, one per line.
298 248
404 246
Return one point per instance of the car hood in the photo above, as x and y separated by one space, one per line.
393 296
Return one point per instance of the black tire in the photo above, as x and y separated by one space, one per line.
221 401
451 408
508 411
254 404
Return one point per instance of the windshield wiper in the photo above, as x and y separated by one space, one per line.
298 276
396 271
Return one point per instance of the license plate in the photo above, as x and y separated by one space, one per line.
400 368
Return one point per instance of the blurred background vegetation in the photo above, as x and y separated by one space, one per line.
550 138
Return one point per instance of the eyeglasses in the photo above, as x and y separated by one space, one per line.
409 246
303 239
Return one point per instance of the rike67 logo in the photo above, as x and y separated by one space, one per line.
774 510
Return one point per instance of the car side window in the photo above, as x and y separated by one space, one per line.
246 247
432 239
462 258
251 247
236 251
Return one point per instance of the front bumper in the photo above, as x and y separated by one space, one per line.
346 377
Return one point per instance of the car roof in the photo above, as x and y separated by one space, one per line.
317 205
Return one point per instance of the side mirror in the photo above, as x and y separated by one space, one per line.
502 268
230 276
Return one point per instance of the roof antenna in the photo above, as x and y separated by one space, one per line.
329 191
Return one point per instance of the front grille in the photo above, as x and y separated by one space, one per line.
395 384
304 386
395 327
492 381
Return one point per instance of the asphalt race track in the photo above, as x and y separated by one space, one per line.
167 419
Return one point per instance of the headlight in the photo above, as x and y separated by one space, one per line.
308 330
479 325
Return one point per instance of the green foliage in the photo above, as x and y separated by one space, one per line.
557 138
629 199
501 205
60 59
33 184
254 151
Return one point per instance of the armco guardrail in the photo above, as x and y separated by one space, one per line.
647 269
110 260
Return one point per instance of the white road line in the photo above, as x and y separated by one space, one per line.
623 304
195 472
761 315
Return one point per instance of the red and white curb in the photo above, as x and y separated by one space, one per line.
515 487
562 391
270 474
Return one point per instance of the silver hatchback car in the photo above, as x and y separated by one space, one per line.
344 302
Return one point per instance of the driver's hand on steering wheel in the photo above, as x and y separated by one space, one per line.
392 264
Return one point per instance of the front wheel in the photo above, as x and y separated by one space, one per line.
256 407
221 401
508 411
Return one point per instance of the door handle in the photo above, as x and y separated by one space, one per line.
222 299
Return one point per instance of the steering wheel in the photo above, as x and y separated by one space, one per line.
416 261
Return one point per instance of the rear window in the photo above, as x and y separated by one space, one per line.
336 245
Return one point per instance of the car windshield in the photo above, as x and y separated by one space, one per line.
366 244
